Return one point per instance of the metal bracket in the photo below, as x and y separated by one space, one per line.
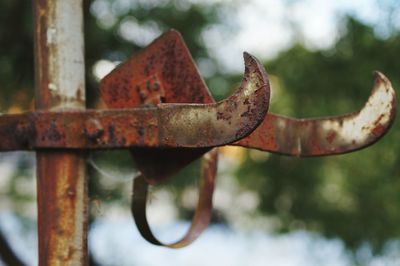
165 68
165 72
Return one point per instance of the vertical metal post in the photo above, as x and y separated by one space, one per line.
61 180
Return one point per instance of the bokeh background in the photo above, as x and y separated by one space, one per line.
269 209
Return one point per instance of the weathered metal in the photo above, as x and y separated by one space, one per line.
166 61
61 181
203 210
158 74
331 135
162 126
164 71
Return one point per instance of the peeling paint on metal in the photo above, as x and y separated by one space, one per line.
61 180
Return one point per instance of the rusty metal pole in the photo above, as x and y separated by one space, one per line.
60 85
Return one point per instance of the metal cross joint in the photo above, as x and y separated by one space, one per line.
165 125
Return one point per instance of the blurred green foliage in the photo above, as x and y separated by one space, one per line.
354 196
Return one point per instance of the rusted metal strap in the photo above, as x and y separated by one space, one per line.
203 210
162 126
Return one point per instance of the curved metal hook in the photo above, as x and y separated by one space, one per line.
331 135
215 124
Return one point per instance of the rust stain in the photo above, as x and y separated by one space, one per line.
57 216
61 181
378 130
331 136
93 129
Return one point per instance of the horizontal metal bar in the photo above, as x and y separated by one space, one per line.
166 125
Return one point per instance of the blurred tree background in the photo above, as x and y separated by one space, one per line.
355 196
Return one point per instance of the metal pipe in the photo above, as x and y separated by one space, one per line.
61 180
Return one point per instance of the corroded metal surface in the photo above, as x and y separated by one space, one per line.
203 210
331 135
61 180
298 137
62 208
164 72
167 61
156 71
235 118
167 74
162 126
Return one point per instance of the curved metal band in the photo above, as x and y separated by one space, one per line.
203 210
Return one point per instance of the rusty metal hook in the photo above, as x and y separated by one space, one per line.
216 124
330 135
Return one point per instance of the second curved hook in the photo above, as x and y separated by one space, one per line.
330 135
